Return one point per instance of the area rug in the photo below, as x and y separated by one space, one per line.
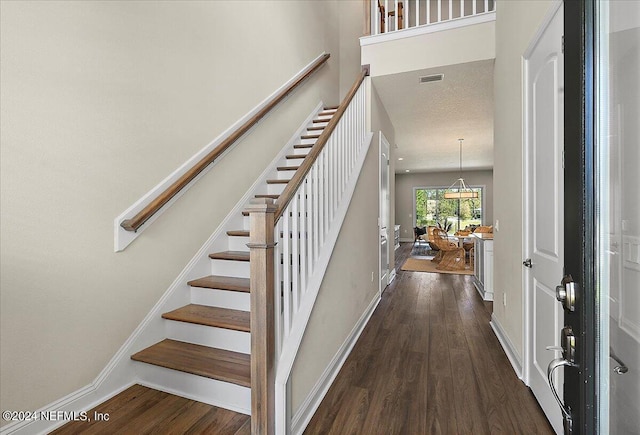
426 265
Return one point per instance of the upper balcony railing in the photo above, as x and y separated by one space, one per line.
389 16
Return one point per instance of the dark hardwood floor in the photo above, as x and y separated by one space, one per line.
428 362
141 410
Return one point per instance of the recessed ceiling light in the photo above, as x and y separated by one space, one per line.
400 158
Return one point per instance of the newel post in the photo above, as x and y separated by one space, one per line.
261 244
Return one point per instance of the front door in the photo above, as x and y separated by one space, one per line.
544 248
602 44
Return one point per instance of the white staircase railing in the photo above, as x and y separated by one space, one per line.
293 254
393 15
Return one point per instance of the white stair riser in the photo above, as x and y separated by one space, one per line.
220 298
301 151
293 162
285 175
308 141
213 392
275 189
237 243
238 269
221 338
321 124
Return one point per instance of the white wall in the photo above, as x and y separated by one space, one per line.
516 23
450 47
100 101
405 184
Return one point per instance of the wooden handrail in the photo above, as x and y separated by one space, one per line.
154 206
292 186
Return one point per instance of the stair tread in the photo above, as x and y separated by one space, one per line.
211 316
331 108
209 362
238 233
315 128
303 145
310 136
222 283
267 195
318 121
277 181
296 156
230 255
288 168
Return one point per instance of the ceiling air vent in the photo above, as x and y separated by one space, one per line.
431 78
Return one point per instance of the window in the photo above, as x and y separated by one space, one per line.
432 209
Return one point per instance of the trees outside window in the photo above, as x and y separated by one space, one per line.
431 209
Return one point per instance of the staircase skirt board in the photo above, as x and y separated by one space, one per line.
223 365
219 338
211 316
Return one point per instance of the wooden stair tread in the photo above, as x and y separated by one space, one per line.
310 136
277 181
296 156
230 255
315 127
238 233
318 121
267 195
222 283
331 108
211 316
303 145
208 362
288 168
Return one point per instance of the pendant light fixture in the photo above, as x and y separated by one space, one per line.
459 190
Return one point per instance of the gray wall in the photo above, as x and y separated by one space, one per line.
404 194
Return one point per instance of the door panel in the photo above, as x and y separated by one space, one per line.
544 208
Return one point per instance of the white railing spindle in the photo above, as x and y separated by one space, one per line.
418 12
439 10
474 7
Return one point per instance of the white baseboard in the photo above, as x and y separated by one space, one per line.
309 406
507 345
392 275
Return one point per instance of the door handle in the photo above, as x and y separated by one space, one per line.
527 263
566 411
621 368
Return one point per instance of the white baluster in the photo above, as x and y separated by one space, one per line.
418 12
439 10
395 16
303 238
428 6
473 6
450 9
462 8
309 218
295 253
486 5
316 233
286 269
386 16
280 327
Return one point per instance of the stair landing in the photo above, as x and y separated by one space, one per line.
140 410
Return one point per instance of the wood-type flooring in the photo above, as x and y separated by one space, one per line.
428 362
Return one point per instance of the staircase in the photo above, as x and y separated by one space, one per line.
206 352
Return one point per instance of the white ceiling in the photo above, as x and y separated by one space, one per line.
430 117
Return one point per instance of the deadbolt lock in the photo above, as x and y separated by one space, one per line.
566 293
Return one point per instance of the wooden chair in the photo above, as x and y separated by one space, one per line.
450 256
431 238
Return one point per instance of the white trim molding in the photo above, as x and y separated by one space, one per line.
507 345
311 403
429 28
122 237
